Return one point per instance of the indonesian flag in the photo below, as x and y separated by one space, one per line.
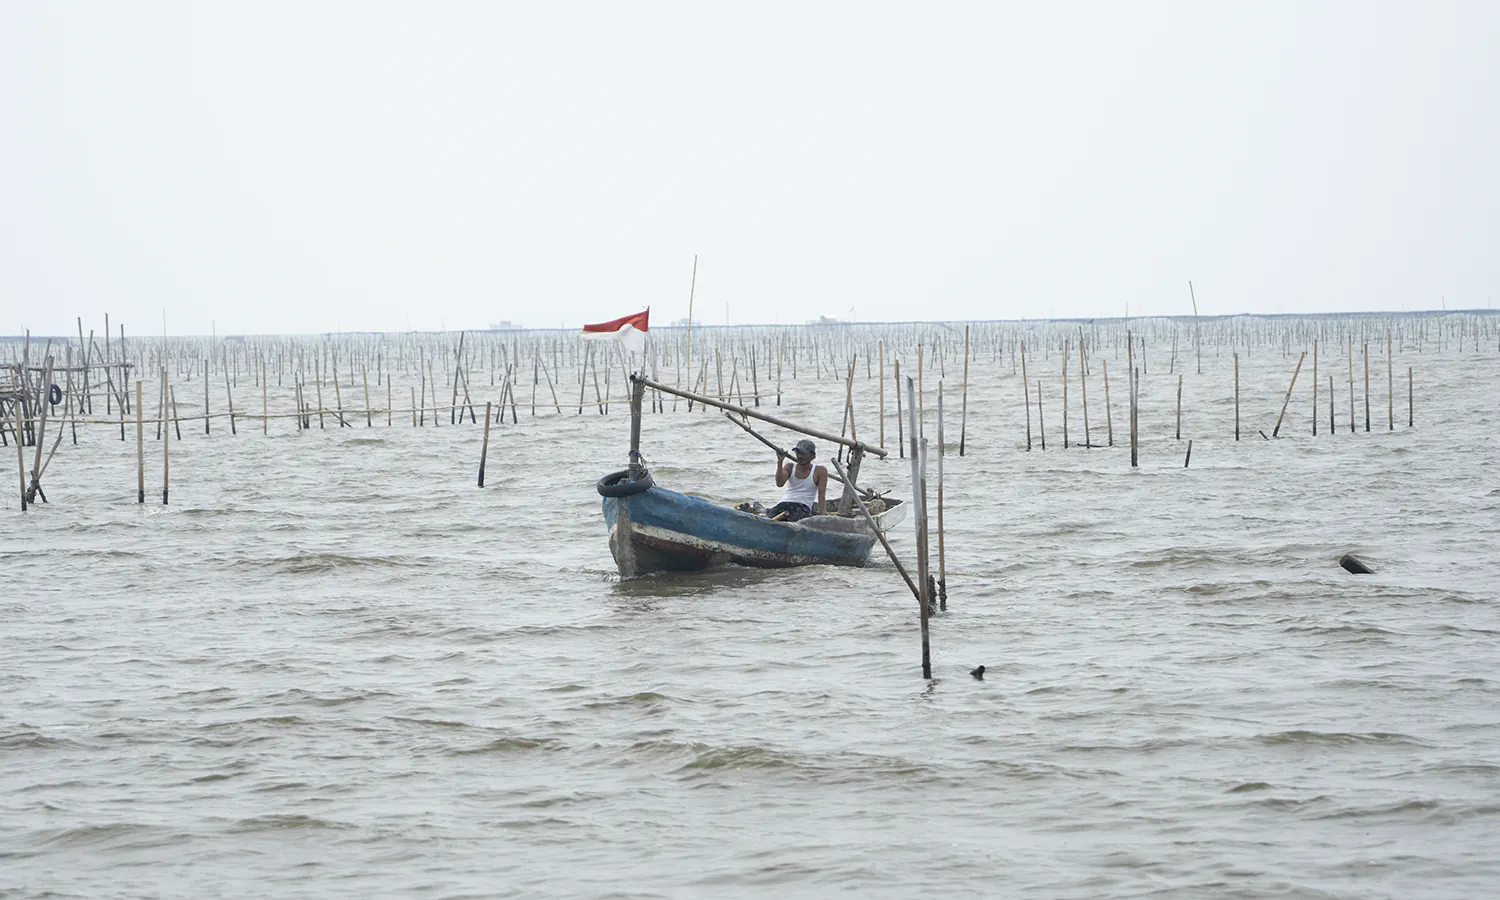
629 330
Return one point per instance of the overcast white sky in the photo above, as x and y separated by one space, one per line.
290 167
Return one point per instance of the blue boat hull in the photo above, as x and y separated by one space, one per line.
660 530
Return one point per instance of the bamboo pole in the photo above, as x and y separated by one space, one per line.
1351 384
764 417
879 535
1237 396
942 582
1197 332
1390 380
15 407
1083 387
1026 397
140 448
265 403
1366 354
364 374
1330 406
1065 393
1041 419
166 466
924 599
1109 418
1135 390
963 417
900 421
229 393
1275 431
1410 417
1179 407
205 396
1315 390
882 392
484 448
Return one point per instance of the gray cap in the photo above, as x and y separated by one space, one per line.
805 446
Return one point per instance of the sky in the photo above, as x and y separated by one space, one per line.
279 167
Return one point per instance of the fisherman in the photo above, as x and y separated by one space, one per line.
806 484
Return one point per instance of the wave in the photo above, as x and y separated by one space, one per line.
1339 738
512 745
285 821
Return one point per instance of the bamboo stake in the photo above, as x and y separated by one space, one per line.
1275 431
364 375
1065 393
900 421
1179 407
1315 390
1351 384
765 417
1026 398
1390 380
1197 332
1041 419
942 582
882 392
15 406
1366 355
265 403
1410 417
205 396
963 416
1237 396
165 442
1109 418
880 535
924 599
140 448
1083 383
484 448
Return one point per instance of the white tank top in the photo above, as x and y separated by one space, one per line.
801 490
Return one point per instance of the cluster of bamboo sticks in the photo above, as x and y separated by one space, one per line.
51 389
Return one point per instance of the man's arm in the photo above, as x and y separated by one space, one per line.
820 477
783 472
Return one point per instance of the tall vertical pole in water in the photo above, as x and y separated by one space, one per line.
166 441
924 600
1197 334
140 448
963 429
1367 385
1237 396
1390 382
942 582
692 289
15 406
1026 396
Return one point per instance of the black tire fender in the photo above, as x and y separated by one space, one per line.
55 395
618 484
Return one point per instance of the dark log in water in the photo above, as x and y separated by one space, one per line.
1355 565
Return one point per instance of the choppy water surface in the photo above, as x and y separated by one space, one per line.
334 667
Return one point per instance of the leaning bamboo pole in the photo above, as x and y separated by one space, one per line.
764 417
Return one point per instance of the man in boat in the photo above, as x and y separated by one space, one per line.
805 483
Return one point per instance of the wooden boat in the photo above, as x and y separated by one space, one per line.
659 530
653 529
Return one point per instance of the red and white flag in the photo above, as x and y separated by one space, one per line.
629 330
